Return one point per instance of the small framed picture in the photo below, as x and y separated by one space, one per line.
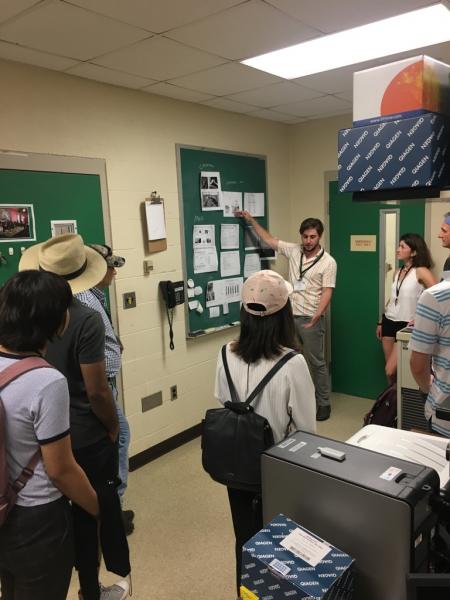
63 226
17 223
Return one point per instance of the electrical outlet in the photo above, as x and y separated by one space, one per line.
173 392
129 300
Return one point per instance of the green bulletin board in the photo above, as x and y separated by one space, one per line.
53 196
238 173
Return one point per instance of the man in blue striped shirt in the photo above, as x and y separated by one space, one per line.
430 356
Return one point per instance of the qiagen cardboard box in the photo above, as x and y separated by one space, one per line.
402 89
286 561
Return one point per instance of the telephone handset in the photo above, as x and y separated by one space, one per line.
172 294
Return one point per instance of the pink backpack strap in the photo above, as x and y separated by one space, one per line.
20 367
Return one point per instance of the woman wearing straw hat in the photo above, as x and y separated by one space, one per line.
267 333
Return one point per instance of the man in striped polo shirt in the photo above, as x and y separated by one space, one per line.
430 345
312 272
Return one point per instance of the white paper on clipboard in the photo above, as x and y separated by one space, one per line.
156 224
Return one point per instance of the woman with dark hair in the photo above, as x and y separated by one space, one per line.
267 333
36 545
409 282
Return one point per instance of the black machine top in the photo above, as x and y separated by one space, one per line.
388 475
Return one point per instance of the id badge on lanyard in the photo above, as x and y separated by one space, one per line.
299 285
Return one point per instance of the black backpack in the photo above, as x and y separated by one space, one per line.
233 437
384 410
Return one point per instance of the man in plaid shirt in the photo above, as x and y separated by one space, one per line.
95 298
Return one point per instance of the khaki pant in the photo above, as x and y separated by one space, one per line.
313 344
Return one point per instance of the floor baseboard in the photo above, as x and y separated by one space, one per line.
146 456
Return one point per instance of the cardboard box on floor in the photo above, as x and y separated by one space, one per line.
285 560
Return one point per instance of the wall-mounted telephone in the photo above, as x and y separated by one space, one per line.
172 294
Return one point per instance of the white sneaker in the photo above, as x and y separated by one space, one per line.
118 591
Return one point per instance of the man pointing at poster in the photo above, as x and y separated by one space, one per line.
312 272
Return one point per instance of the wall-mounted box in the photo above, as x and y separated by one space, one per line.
284 560
402 89
401 154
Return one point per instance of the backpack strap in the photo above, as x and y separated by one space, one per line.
233 393
262 384
8 375
20 367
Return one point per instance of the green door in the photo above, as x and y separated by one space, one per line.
357 363
48 196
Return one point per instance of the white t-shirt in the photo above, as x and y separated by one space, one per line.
37 413
291 387
408 296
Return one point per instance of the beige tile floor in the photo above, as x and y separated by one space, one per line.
183 546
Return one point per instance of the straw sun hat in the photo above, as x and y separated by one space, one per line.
67 256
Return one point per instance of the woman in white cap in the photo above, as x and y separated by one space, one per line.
267 333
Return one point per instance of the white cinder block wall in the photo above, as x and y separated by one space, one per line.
51 113
47 112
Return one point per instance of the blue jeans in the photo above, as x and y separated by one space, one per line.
124 443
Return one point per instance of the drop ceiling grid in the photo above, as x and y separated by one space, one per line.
188 49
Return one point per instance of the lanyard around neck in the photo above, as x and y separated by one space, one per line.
316 260
400 283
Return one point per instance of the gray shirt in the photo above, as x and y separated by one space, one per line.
37 413
82 343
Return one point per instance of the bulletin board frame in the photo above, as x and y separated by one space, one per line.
239 172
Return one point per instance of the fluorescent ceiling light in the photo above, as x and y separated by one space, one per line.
411 30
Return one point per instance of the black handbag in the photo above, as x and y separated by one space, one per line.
234 437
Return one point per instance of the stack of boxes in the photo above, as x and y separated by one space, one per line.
401 128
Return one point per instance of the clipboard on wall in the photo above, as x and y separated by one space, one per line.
156 223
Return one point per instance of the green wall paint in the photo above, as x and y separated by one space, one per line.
53 196
357 363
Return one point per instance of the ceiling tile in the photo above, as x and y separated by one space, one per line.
104 75
318 106
34 57
225 104
243 31
437 51
11 8
226 79
347 96
330 16
159 58
336 80
272 116
158 15
277 93
173 91
70 31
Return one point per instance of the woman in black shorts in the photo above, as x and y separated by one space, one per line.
409 282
